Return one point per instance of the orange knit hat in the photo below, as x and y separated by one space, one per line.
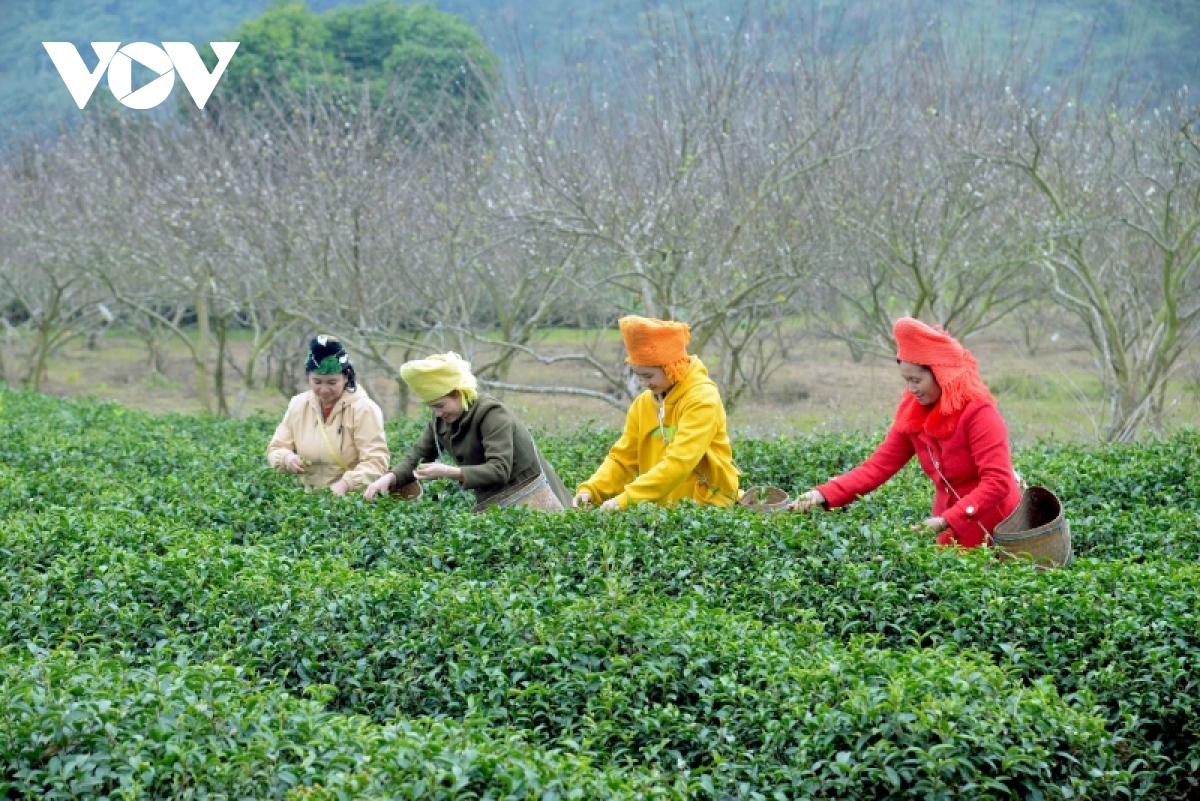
657 343
953 366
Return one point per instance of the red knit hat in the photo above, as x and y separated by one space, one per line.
953 366
657 343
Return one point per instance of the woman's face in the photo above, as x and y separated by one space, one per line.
921 383
652 378
447 408
327 388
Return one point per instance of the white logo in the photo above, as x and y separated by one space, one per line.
172 57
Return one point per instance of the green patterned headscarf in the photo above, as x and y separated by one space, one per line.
327 356
328 366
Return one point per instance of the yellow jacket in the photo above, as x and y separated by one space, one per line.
688 455
355 429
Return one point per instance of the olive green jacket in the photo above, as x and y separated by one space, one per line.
489 444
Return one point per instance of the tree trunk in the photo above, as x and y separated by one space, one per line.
402 392
219 370
45 333
42 351
200 354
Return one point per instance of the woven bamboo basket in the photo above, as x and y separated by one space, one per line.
1036 531
410 491
534 494
764 499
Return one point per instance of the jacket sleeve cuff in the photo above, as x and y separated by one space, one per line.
360 478
473 476
958 519
403 477
597 495
835 497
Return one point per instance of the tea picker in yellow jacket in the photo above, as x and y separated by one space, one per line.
675 444
332 435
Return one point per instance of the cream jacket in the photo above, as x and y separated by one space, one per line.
355 430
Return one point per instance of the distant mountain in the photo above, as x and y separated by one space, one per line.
1150 42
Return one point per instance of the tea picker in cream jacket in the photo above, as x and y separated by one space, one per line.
331 436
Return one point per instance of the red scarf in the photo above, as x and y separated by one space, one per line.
955 370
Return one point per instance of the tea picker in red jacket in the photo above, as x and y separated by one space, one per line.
949 420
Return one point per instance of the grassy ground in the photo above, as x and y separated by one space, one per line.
1053 394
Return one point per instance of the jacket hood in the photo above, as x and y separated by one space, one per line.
697 375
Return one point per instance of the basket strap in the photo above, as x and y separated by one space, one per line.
437 443
455 486
328 444
933 461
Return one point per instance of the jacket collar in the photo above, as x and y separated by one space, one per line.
341 404
463 423
913 418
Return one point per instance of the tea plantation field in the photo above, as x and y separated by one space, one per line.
178 622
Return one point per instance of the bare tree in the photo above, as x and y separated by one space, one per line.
685 192
921 225
1121 205
173 264
46 295
738 175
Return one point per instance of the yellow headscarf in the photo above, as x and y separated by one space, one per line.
439 375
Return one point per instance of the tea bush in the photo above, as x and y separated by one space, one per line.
90 727
684 687
687 652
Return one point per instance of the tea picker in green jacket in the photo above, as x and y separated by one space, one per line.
493 453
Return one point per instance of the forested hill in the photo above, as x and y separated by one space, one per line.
1149 41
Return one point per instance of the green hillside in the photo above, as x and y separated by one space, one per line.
1149 42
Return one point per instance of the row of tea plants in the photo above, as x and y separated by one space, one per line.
178 621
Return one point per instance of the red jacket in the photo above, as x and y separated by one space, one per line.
969 449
